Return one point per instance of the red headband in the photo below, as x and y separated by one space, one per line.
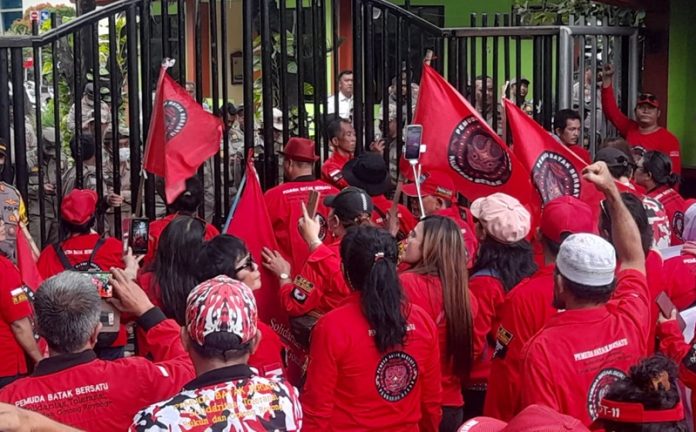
632 412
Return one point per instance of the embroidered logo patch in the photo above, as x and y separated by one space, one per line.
299 295
396 376
175 117
599 388
678 224
502 340
555 176
303 284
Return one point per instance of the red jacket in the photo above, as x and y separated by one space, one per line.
91 394
382 205
661 139
425 291
581 152
319 285
332 170
524 312
680 272
570 363
14 306
79 249
351 386
284 203
675 206
490 294
156 228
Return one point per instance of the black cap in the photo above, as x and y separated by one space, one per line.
350 203
368 172
613 157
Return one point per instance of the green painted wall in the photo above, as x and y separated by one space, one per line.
458 12
681 120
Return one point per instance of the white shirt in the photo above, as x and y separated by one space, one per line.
345 105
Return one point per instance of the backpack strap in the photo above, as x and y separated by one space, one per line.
96 248
65 262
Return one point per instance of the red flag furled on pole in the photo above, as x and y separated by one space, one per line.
26 262
459 142
182 135
554 169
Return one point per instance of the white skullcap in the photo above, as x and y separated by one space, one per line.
587 259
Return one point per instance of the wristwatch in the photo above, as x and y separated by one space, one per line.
284 276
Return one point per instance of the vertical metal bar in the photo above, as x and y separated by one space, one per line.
20 145
316 74
77 91
581 83
299 54
98 143
198 54
323 75
38 63
164 15
452 60
633 69
397 85
506 51
369 78
225 82
385 88
146 103
214 79
56 114
409 71
463 70
565 68
247 53
283 73
181 24
484 73
518 66
114 90
334 26
547 81
133 94
472 62
5 96
593 100
358 75
495 75
537 52
267 85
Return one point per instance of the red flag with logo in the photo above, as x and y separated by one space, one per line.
182 136
26 262
252 223
460 142
554 169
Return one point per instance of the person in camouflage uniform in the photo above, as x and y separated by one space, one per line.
12 212
50 177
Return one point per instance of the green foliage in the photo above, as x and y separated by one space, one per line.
23 26
546 12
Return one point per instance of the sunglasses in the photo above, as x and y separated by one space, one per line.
247 265
647 98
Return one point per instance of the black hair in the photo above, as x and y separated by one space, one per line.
67 228
552 246
640 216
229 107
344 73
174 266
190 199
88 147
222 345
219 256
560 121
333 129
512 262
659 166
590 294
640 387
374 276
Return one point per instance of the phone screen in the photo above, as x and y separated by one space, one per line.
414 134
139 234
101 281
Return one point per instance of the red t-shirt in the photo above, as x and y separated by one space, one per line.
524 312
156 228
14 305
581 152
351 386
675 206
661 139
426 292
569 365
382 205
490 294
680 272
332 170
284 203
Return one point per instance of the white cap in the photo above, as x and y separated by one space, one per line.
587 259
277 119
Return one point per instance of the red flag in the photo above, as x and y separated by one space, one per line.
459 142
555 169
27 263
182 136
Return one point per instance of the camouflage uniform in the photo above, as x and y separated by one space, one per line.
12 211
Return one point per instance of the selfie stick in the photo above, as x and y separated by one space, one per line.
416 177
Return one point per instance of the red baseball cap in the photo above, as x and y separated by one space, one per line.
79 206
648 99
432 183
300 149
566 214
534 418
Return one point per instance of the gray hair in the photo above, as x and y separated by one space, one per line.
67 311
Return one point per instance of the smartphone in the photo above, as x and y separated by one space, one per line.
102 280
666 307
414 135
139 236
312 203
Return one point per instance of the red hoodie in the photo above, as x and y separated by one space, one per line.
14 306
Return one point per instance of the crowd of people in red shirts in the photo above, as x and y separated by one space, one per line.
426 316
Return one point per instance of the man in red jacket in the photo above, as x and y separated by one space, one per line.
341 136
603 331
643 132
284 202
529 305
72 386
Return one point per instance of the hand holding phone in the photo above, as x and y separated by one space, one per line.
312 203
139 235
664 303
412 146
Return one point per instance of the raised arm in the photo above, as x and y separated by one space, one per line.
609 106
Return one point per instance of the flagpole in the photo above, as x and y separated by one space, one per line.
228 221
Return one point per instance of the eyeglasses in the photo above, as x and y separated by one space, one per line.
247 265
646 97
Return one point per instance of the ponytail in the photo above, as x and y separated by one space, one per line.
659 166
673 179
382 299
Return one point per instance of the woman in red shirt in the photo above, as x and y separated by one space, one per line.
654 172
438 283
374 361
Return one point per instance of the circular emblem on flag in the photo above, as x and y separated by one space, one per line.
678 224
476 155
599 388
396 376
175 117
555 176
323 227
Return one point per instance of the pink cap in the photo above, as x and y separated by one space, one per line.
566 214
503 217
534 418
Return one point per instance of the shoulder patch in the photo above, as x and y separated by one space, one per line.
303 284
502 341
299 295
